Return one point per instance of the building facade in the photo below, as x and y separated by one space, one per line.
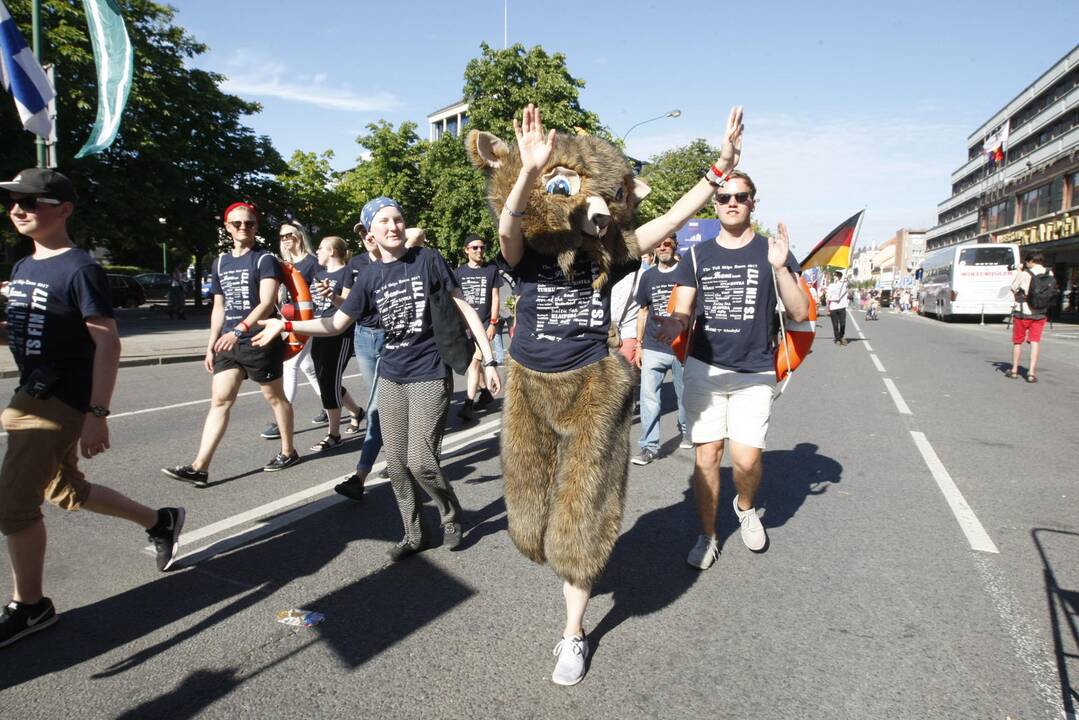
451 119
1019 182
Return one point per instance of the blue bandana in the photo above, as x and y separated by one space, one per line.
373 206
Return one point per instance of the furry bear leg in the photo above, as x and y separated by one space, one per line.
588 498
529 444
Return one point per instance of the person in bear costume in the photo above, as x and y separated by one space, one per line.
564 205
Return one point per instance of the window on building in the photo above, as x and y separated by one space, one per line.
451 126
999 215
1034 203
1074 182
1056 194
464 120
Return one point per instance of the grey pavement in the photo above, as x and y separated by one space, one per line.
868 603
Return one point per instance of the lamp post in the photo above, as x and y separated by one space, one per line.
164 262
671 114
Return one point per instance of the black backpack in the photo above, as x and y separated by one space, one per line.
1042 293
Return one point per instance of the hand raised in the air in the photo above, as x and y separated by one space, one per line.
731 151
534 145
779 246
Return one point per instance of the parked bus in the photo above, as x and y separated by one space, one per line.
968 280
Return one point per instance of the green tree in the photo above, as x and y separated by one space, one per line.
457 204
391 168
501 82
670 174
313 195
182 154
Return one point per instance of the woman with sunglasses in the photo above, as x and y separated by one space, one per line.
331 354
414 382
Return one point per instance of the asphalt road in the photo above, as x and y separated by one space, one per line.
924 563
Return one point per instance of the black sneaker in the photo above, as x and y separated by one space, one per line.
404 549
644 458
198 478
166 535
352 488
18 620
281 461
451 535
465 413
484 399
271 432
320 419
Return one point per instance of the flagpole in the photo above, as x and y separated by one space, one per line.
35 16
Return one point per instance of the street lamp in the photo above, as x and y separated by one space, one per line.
671 114
164 263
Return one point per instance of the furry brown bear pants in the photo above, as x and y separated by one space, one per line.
565 458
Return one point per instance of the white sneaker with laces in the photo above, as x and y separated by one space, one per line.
571 653
704 553
685 443
753 535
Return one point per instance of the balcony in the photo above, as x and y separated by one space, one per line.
970 218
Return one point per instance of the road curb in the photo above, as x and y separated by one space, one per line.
134 362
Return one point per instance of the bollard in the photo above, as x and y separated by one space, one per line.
983 315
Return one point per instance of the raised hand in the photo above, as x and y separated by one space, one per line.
535 147
779 246
731 152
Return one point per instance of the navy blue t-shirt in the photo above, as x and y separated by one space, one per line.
736 302
324 307
654 292
357 265
48 303
237 279
478 286
398 291
308 267
561 324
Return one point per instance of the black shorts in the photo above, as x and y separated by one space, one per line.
263 365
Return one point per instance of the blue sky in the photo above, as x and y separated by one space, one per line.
846 104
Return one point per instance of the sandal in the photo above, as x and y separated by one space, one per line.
353 426
1011 374
1032 378
330 441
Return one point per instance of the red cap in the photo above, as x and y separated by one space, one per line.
235 205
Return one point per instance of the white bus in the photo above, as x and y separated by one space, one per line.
971 279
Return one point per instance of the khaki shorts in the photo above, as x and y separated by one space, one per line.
725 404
41 462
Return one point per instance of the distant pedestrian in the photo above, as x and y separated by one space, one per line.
63 336
837 308
479 281
653 357
1035 291
244 284
177 295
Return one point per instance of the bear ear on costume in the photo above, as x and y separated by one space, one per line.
486 150
639 191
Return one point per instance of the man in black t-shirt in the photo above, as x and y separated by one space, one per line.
61 331
729 373
244 285
479 283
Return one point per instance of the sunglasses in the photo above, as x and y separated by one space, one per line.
243 223
475 247
286 236
29 204
723 198
667 244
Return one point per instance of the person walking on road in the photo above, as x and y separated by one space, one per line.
837 308
297 249
653 357
479 283
331 354
62 334
1035 291
177 296
414 382
244 284
729 373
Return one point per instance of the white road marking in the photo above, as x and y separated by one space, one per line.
867 346
968 522
876 362
900 404
457 441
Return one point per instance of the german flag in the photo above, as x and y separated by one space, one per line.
835 249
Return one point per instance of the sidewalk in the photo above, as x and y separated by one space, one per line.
149 338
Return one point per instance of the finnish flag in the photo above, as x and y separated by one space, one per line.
22 76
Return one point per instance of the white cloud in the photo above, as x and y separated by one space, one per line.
248 73
813 174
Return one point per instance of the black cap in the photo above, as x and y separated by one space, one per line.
42 182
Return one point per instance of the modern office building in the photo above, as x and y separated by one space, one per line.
451 119
1019 181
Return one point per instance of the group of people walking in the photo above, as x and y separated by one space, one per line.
382 306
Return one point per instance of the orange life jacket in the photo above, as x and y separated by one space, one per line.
300 294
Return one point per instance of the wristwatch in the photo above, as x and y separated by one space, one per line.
491 363
99 411
238 333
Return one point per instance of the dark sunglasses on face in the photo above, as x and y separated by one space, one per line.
666 244
242 223
723 198
475 247
29 204
287 236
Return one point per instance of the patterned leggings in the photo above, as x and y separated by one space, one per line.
413 420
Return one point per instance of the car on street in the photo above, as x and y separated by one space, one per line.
126 291
155 286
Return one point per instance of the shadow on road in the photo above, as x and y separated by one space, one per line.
1063 605
362 618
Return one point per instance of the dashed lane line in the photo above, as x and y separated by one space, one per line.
876 362
900 403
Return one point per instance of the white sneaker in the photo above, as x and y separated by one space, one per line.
704 553
752 531
686 443
571 653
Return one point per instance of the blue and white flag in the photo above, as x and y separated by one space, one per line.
114 57
22 76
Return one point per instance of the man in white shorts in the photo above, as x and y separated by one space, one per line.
729 373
